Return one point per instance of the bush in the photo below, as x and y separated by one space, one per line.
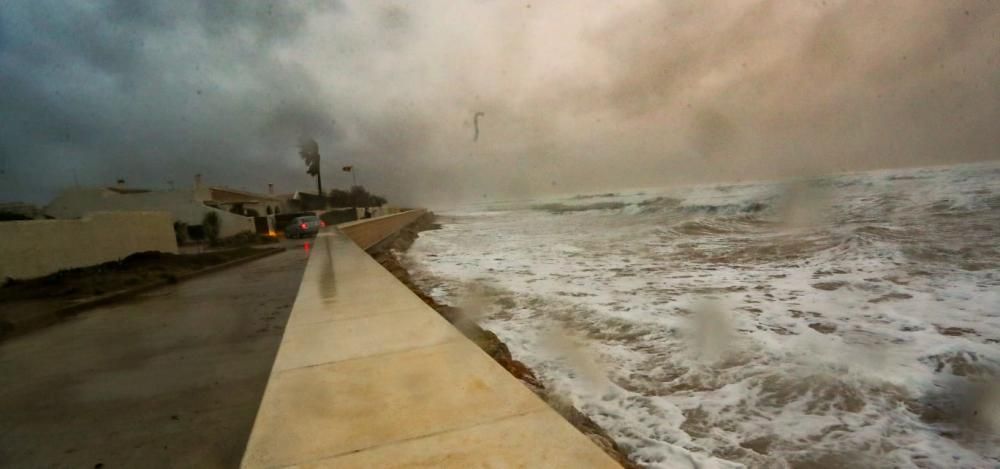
338 216
11 216
210 223
181 232
358 196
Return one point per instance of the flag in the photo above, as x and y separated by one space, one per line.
348 168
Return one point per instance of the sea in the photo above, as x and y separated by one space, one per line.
850 320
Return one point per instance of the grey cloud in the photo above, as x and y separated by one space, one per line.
151 92
577 97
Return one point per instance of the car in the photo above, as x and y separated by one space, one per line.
303 226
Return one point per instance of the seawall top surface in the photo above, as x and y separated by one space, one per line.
369 232
363 221
368 375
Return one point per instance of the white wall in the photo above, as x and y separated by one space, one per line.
40 247
182 204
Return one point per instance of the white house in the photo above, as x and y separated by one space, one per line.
187 206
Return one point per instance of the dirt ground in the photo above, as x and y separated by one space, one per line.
171 378
131 271
28 305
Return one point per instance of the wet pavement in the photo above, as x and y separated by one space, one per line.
171 378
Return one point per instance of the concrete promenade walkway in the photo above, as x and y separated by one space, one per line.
367 375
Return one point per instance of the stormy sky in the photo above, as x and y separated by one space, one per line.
577 95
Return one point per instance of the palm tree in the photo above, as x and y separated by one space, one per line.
309 151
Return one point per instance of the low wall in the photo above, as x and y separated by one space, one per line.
40 247
367 233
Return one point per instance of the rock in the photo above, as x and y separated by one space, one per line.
891 296
759 444
829 286
954 331
824 328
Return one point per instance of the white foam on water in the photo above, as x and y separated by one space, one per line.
716 325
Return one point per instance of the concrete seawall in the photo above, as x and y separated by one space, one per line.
368 233
367 375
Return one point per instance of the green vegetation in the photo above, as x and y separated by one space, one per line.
358 196
11 216
309 152
181 232
211 226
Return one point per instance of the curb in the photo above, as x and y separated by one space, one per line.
74 309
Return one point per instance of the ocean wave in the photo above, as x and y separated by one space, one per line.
660 202
875 233
748 251
748 207
963 204
559 209
865 337
655 205
684 207
594 196
709 227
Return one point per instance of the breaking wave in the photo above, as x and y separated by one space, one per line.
726 209
657 205
847 321
559 209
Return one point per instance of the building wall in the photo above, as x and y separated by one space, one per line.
40 247
228 197
261 208
182 204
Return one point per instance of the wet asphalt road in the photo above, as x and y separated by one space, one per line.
171 378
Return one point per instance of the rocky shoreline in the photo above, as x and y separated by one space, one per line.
490 343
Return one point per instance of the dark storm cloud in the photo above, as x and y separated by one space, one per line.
152 92
579 95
